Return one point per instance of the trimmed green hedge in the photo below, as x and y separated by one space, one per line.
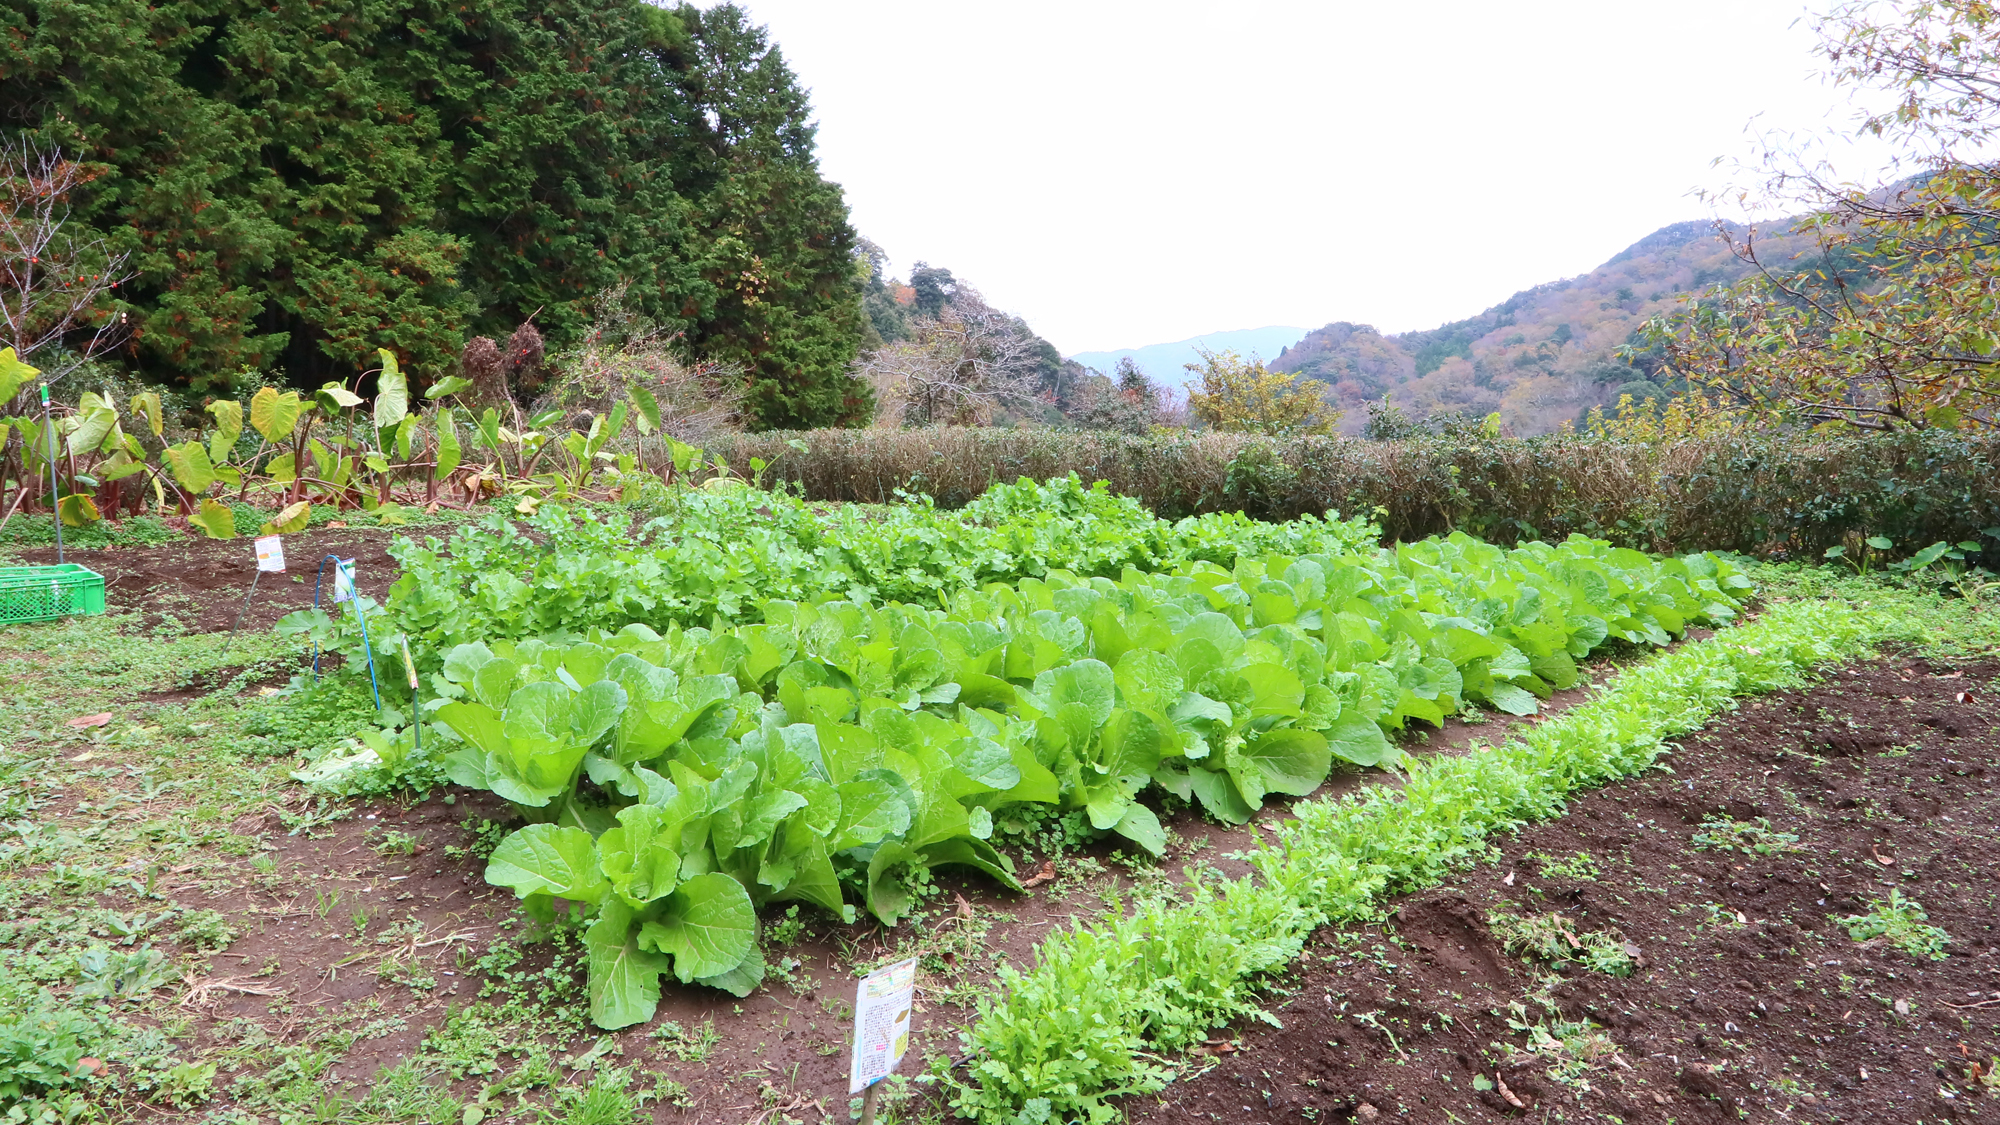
1089 1021
1772 495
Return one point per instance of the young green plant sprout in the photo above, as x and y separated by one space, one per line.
1900 922
1865 559
1721 834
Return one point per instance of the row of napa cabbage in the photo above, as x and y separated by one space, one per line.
840 750
718 556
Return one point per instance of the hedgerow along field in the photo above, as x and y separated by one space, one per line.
693 761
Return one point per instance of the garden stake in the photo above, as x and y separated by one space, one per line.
359 616
416 704
254 576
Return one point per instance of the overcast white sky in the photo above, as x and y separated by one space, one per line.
1126 173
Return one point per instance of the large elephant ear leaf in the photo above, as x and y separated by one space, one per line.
392 391
548 859
708 926
1292 761
624 980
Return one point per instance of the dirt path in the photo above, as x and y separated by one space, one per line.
1749 1000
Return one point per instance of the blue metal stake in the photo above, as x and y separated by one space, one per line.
359 615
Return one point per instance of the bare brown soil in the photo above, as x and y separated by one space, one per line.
202 582
1750 1002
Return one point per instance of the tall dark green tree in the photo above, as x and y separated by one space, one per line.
779 254
300 182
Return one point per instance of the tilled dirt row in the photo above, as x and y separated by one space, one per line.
1721 884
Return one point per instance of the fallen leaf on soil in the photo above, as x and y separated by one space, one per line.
1219 1047
1879 858
88 1065
1046 874
83 757
102 718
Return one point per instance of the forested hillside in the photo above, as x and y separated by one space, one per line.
937 353
1539 358
297 184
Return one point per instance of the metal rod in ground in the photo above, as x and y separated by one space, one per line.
366 647
868 1103
55 495
317 582
255 575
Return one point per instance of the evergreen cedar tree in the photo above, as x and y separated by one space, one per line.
301 181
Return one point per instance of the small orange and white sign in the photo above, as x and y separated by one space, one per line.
271 554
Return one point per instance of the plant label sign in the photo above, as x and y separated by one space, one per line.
271 554
343 580
882 1022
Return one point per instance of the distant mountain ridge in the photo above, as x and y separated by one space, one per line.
1540 358
1166 363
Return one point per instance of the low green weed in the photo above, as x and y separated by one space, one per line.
207 930
1901 922
1553 939
677 1042
1580 868
1720 834
1571 1048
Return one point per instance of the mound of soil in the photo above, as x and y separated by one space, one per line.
202 582
1748 998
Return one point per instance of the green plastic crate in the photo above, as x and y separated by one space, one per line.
40 593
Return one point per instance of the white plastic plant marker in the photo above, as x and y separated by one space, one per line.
271 555
882 1023
343 580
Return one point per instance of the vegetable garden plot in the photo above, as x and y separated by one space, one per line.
1726 942
677 781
